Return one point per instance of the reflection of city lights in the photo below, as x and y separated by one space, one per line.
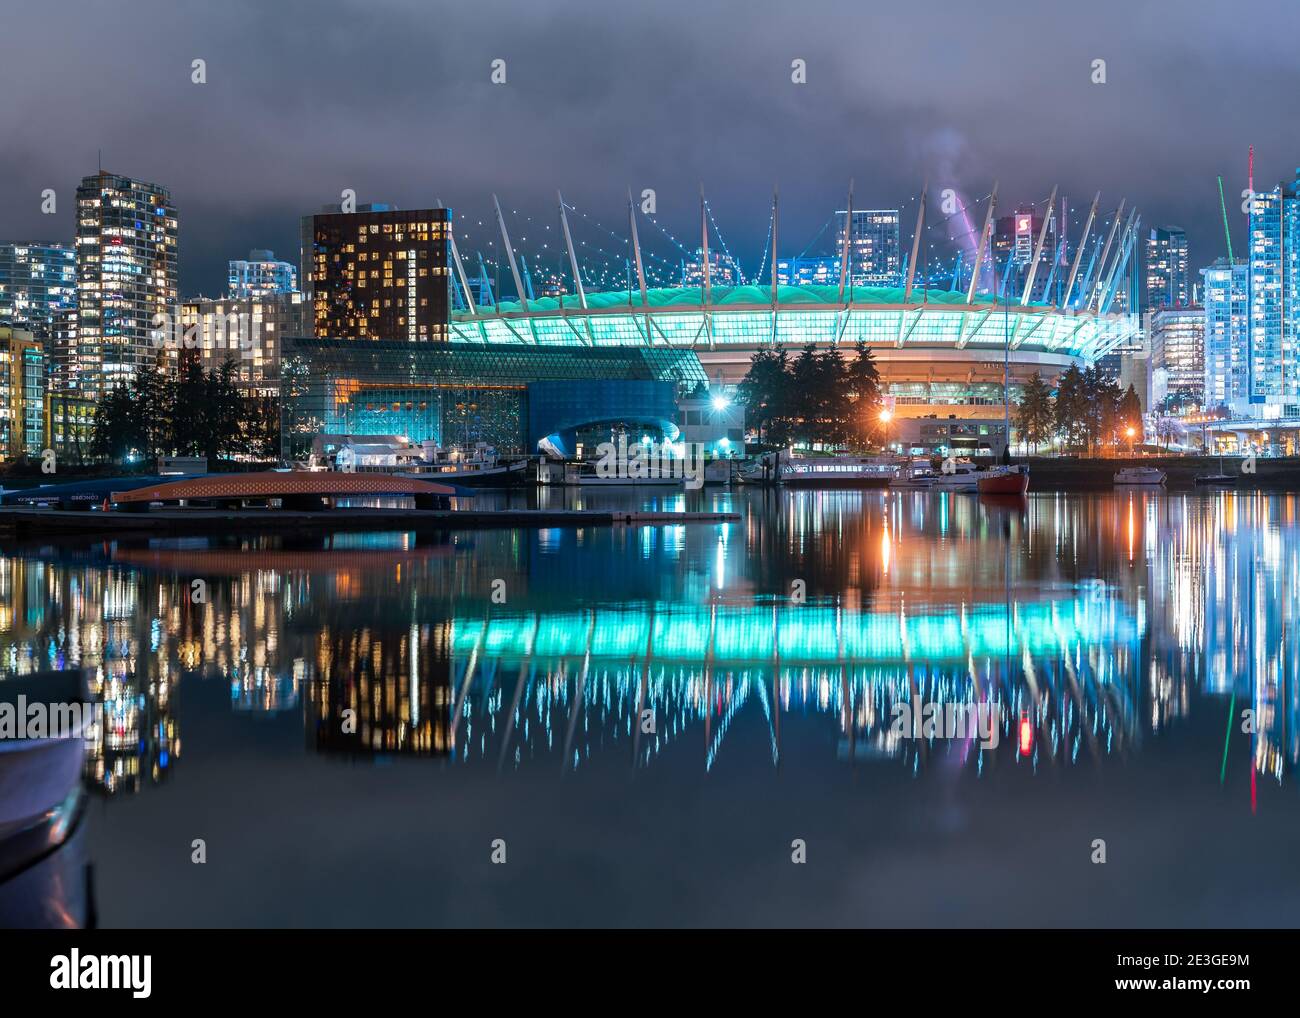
1026 736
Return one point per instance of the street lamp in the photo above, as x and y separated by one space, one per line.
1130 431
885 417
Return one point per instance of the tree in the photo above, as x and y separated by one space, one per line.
766 393
1035 416
1069 409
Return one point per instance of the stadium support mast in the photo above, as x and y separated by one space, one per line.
984 239
774 213
1038 251
1094 293
704 249
460 266
844 249
1122 250
636 247
573 258
1078 250
510 253
916 244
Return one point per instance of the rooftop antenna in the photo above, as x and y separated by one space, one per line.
1223 207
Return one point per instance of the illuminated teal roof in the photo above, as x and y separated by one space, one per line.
692 296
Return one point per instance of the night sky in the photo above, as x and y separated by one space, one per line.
393 99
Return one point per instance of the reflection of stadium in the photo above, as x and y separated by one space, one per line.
404 635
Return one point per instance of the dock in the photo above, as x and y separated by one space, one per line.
33 520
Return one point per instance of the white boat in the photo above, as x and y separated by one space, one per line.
914 476
963 477
838 470
1145 476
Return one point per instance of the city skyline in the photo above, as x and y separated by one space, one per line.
973 119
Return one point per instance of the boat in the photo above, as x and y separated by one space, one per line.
1007 480
960 477
914 476
42 873
1215 480
838 470
1222 479
1146 476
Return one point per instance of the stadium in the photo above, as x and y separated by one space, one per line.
941 350
935 349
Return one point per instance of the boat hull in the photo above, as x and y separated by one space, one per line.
1004 484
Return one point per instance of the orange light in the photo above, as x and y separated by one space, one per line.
886 416
1026 735
1130 432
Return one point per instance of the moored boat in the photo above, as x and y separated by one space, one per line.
1147 476
1008 480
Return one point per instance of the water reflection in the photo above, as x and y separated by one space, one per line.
1093 622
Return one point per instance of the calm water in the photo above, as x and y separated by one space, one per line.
1122 636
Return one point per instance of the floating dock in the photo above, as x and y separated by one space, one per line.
33 520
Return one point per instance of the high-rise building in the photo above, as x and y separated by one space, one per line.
1015 237
1167 283
261 274
126 275
722 270
378 273
22 393
1178 356
1226 290
38 287
1273 360
875 257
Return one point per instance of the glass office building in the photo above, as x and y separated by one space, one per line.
1226 291
1167 284
459 395
38 286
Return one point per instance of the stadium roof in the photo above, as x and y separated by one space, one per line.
692 296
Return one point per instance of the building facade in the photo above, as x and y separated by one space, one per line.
1226 292
22 394
875 256
462 395
1178 357
38 287
248 332
1272 364
378 273
1014 239
260 275
126 276
1167 283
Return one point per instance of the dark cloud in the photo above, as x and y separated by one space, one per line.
393 99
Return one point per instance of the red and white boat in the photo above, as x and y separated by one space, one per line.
1009 480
